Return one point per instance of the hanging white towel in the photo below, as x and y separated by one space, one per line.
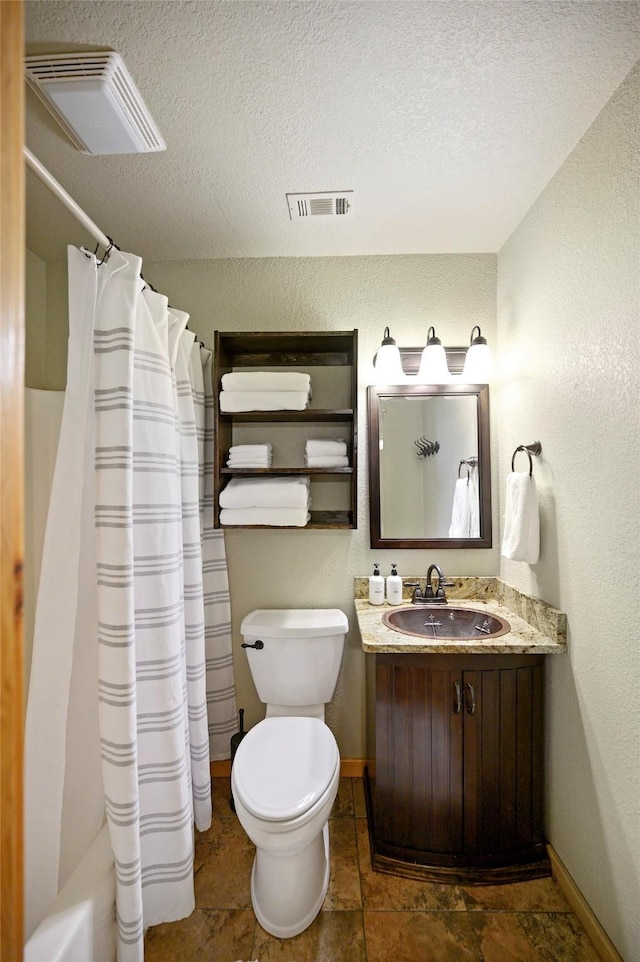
325 447
280 517
331 461
459 527
235 401
266 381
521 538
474 504
266 493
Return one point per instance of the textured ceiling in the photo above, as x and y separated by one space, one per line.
447 119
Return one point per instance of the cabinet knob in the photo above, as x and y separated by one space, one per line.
470 698
457 705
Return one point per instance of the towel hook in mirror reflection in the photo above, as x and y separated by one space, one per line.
534 448
426 448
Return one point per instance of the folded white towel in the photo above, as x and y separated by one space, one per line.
257 450
521 537
282 492
241 465
279 517
264 459
235 401
239 458
331 461
324 447
459 527
266 381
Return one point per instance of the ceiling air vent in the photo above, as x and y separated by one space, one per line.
325 203
95 101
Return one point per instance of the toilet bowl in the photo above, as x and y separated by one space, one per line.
286 770
285 779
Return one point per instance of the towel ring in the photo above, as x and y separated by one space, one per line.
467 467
535 448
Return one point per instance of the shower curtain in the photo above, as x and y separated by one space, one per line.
131 580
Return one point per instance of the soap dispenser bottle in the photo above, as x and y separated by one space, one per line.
376 587
394 587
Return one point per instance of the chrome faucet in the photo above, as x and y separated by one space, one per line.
430 597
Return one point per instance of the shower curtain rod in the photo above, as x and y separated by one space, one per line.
49 181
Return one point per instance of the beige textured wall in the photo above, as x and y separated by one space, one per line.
569 339
316 568
35 309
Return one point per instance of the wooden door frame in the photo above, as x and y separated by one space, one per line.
12 246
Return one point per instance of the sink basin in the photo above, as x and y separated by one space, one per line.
443 621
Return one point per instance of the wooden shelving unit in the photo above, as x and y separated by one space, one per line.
300 351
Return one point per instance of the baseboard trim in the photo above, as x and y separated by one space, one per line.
221 769
582 910
349 768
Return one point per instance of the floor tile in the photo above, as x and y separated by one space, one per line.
536 895
532 937
343 805
420 936
390 892
223 861
344 884
359 804
333 937
206 936
220 795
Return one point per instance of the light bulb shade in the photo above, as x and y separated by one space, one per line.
387 364
433 363
478 364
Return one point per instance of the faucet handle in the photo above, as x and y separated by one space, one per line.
417 591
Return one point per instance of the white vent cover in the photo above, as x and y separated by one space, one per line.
95 101
323 203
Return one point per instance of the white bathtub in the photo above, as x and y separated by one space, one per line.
81 926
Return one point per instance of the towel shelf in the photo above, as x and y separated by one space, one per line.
317 350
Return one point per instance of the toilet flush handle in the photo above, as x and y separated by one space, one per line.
257 644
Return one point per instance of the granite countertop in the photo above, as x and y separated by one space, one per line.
544 631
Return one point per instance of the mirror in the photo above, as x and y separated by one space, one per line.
429 466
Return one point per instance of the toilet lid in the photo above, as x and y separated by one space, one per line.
284 765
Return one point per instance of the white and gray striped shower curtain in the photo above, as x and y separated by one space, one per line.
162 620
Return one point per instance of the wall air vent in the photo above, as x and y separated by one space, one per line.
95 101
325 203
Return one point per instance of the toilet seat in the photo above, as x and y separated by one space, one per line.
284 766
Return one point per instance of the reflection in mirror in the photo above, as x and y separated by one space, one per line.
430 475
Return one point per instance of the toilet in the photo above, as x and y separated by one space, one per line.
286 770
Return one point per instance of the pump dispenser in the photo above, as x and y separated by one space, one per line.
376 587
394 587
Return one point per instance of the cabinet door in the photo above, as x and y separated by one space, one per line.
503 761
419 758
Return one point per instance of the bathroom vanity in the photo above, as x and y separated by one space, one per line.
456 753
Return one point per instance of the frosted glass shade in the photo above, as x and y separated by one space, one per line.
433 366
478 365
388 365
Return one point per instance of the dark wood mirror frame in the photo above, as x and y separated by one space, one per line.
410 361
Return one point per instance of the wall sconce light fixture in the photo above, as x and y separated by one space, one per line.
478 366
430 366
433 364
387 364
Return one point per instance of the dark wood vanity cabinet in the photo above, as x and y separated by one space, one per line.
458 784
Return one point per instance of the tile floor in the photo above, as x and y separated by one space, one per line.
366 917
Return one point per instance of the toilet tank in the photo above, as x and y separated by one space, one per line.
300 661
